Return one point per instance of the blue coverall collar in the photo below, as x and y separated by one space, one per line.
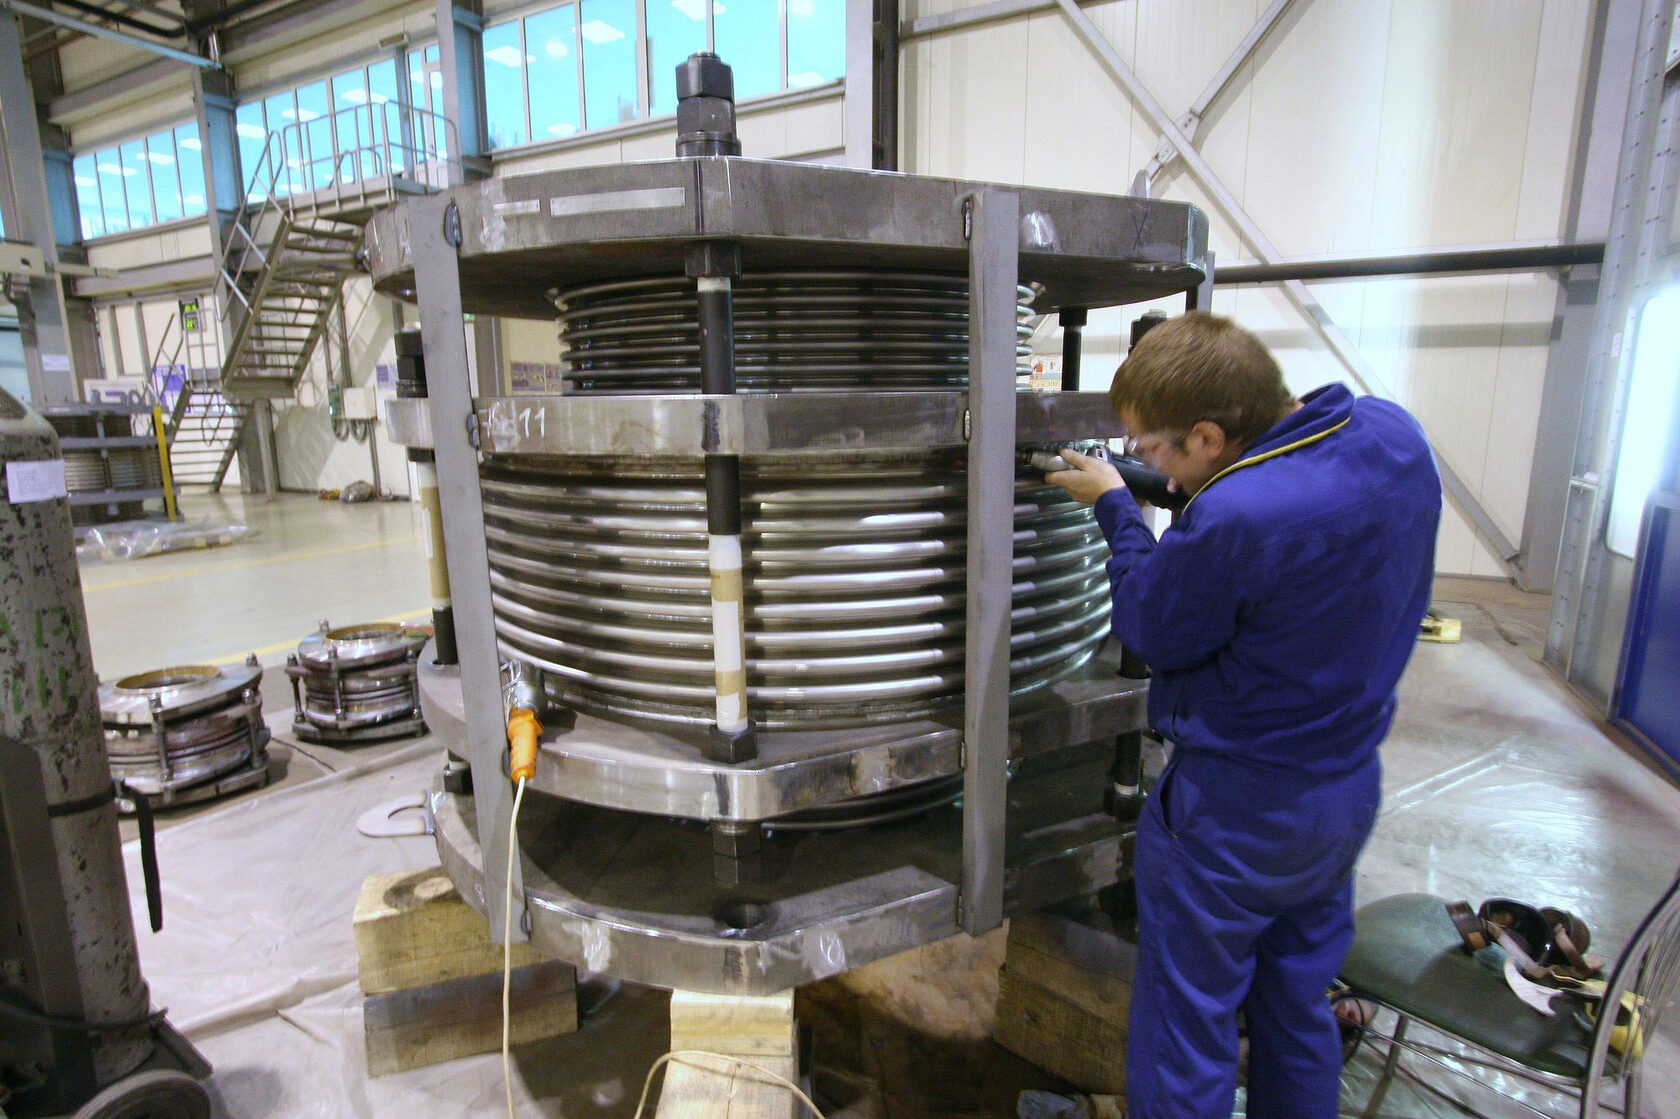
1321 409
1322 412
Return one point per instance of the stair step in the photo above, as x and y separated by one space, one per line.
326 232
302 258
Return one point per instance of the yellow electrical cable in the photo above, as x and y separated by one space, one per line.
687 1056
507 942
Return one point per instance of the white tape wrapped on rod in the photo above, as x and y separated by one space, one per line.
729 653
37 480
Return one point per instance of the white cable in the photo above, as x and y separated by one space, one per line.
507 942
687 1056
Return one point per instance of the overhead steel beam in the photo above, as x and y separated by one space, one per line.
47 15
268 30
1323 325
126 20
100 93
188 274
156 9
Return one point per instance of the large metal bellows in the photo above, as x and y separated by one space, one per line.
855 573
854 561
804 331
772 556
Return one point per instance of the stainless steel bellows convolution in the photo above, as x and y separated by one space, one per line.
855 572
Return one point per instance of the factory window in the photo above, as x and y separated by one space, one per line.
675 30
551 67
816 42
425 94
504 85
145 181
564 69
609 62
748 37
342 128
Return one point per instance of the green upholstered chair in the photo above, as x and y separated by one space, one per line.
1408 957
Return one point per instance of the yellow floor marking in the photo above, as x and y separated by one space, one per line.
284 557
289 646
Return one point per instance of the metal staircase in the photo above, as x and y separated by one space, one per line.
295 236
201 426
206 437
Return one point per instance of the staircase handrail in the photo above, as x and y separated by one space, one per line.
152 393
423 139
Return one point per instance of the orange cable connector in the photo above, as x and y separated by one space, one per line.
523 731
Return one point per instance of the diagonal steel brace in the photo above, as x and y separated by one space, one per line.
1296 292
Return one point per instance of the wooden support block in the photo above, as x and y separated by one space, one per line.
1064 997
740 1025
759 1029
412 930
461 1017
433 980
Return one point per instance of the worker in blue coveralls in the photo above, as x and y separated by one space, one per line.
1277 613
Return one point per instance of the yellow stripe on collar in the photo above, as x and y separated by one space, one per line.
1273 453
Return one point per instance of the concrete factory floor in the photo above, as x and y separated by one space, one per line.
1499 783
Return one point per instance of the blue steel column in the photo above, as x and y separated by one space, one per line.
460 25
224 178
437 281
27 203
993 219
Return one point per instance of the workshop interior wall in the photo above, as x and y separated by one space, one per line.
1355 128
313 453
1371 127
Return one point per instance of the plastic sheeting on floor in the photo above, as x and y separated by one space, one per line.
1499 784
256 964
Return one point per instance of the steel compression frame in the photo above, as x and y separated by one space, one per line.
1025 837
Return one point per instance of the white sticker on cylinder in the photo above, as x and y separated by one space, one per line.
38 480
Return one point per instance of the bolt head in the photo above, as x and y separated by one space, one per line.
703 74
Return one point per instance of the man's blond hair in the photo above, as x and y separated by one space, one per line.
1201 366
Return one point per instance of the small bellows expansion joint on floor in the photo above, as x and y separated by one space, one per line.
186 733
357 683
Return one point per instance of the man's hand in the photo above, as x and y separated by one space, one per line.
1089 479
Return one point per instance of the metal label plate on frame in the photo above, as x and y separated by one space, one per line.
647 198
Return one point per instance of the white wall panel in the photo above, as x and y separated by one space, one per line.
1559 85
1454 121
1314 115
798 131
151 246
1080 128
970 96
311 455
1178 46
1358 127
329 41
